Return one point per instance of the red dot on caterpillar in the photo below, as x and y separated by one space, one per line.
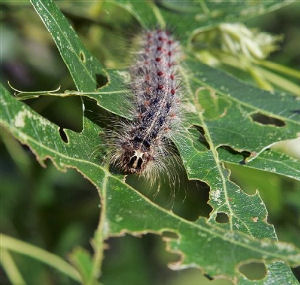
142 145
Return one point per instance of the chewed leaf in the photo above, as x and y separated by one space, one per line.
269 160
220 106
239 102
127 210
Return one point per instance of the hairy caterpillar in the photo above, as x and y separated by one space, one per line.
143 144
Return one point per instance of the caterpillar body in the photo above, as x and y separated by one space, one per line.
143 144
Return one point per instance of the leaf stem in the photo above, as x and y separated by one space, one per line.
158 16
39 254
212 147
10 268
98 240
280 68
259 79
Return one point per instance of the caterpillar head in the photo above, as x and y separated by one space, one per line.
135 157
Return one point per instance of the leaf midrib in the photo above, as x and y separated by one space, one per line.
211 144
70 45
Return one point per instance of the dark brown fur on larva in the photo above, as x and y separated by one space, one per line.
154 82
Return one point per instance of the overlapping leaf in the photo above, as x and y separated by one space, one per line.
269 160
128 211
186 17
219 104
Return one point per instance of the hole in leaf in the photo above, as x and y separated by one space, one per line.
101 80
222 218
245 154
63 135
191 199
186 198
171 235
296 271
253 270
82 56
267 120
65 112
296 112
145 250
208 277
202 138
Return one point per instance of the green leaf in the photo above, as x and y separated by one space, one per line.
129 211
216 102
195 15
243 103
83 67
270 161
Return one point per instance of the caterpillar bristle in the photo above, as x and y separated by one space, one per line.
142 146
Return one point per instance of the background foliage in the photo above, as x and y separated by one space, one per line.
62 212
